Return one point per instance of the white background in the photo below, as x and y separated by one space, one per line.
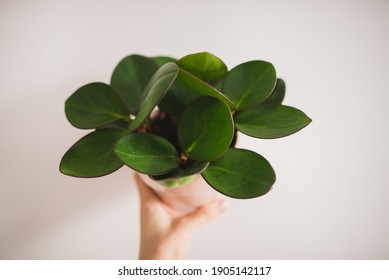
330 200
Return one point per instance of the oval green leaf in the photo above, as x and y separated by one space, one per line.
218 84
154 92
161 60
93 155
177 96
180 172
271 122
206 129
202 88
204 65
120 124
176 99
240 174
94 105
147 153
250 83
277 95
130 78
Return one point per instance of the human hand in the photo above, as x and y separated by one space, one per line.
164 233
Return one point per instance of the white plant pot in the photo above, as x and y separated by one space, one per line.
184 198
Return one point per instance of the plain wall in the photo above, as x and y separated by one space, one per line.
330 200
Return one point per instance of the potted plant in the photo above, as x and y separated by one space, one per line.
175 119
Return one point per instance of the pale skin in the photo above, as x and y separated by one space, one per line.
166 235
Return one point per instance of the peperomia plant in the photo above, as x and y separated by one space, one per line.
173 119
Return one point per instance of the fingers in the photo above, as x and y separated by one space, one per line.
205 214
190 221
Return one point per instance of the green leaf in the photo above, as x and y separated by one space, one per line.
179 172
202 88
177 96
120 124
93 155
206 129
176 182
250 83
176 99
277 95
147 153
204 66
271 122
154 92
94 105
218 84
161 60
240 174
130 77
